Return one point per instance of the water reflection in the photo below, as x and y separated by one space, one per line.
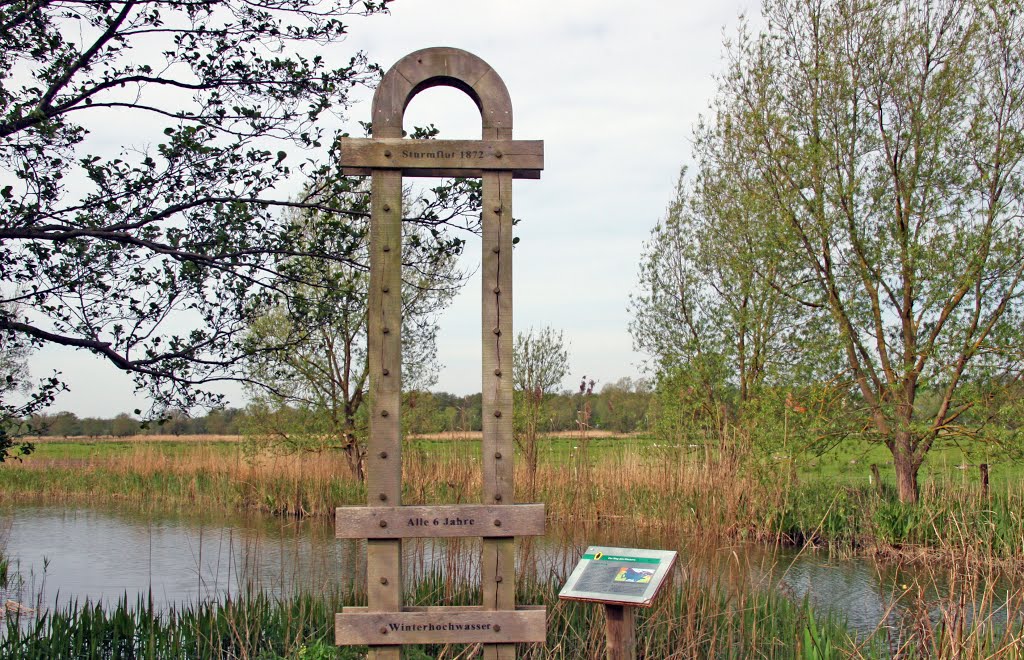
104 554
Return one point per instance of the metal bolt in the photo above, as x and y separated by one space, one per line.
497 497
498 154
495 249
497 372
383 630
387 207
497 413
383 523
497 455
385 289
385 372
383 498
497 209
386 330
497 628
383 454
383 580
383 413
498 579
497 289
387 248
387 153
497 523
497 331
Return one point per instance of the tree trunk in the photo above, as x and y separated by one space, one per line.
354 456
531 463
906 478
530 445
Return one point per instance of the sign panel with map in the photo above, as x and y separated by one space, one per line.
626 576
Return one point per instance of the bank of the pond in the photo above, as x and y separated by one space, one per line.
743 595
635 483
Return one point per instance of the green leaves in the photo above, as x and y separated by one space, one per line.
155 254
306 363
856 219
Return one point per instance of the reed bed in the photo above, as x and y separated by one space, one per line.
693 618
689 623
650 489
662 497
978 614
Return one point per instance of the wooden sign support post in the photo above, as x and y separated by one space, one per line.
620 631
497 623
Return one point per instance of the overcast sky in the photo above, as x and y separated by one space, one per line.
613 89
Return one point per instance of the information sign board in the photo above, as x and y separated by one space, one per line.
625 576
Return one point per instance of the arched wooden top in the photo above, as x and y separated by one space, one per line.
434 67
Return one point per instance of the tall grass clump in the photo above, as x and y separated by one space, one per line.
201 475
251 627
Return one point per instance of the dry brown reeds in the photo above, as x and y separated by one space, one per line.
644 487
663 496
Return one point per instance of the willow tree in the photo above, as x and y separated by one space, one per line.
307 363
708 311
883 146
540 360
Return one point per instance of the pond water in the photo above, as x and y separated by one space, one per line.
103 554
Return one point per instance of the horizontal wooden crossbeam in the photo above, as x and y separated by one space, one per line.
442 158
397 522
439 625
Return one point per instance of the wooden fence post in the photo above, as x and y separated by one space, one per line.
877 478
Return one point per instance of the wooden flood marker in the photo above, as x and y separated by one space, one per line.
385 624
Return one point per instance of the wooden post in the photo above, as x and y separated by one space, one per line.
385 624
983 468
877 479
384 343
620 631
498 560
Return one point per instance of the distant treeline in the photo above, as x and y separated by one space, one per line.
620 407
227 421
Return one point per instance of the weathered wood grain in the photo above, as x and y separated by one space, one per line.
434 67
384 356
450 608
439 626
498 554
620 632
455 520
464 158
